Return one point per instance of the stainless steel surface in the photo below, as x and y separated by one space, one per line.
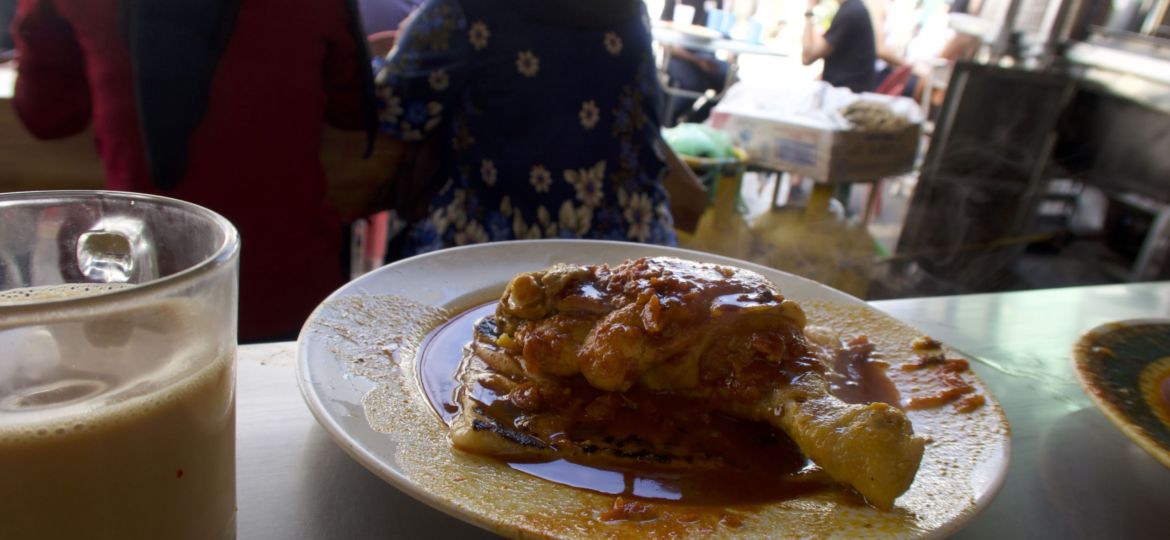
1136 88
1116 128
1073 474
1107 62
1157 19
1057 27
1130 66
1116 140
1125 64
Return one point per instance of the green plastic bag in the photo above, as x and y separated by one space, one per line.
698 140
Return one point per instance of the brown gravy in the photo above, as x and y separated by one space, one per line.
942 377
759 464
858 378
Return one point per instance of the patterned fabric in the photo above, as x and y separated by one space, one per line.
553 132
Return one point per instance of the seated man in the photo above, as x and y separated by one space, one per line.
847 47
691 69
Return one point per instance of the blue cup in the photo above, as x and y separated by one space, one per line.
726 23
754 31
715 19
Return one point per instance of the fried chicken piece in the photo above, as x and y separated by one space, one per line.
718 336
648 322
871 447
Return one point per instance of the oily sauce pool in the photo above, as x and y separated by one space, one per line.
755 463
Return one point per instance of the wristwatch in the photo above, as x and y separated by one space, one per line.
809 14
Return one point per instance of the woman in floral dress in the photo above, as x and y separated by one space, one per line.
548 116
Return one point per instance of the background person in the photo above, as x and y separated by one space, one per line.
543 119
893 75
691 69
848 47
217 102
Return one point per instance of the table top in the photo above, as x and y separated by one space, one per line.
671 36
1072 474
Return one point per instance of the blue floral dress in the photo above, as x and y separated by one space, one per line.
551 132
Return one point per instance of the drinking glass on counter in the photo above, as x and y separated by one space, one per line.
117 367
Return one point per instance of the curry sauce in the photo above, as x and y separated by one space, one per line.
660 449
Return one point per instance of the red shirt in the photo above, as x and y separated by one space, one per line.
290 66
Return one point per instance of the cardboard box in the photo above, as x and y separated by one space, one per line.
799 129
824 153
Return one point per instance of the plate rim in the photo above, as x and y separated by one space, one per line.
1116 417
370 461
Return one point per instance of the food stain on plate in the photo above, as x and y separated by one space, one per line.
1155 386
369 343
1125 368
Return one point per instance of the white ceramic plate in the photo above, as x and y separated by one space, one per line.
355 370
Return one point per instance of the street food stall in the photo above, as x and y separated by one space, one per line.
1057 99
831 138
569 388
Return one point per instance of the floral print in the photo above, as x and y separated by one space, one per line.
487 171
589 114
574 221
478 35
456 209
473 233
527 63
587 183
524 231
628 127
542 159
434 112
438 80
430 30
639 213
540 178
391 106
613 43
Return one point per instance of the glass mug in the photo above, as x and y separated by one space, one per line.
117 367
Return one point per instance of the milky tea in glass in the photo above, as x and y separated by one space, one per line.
117 367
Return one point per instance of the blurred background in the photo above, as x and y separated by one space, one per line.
1004 144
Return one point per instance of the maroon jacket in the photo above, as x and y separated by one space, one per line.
289 67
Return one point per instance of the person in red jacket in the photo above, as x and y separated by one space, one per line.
221 103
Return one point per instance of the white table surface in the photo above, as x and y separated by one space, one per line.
1073 475
670 36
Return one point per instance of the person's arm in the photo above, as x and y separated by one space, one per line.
960 47
52 93
416 85
682 53
381 43
354 182
889 55
814 46
884 51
